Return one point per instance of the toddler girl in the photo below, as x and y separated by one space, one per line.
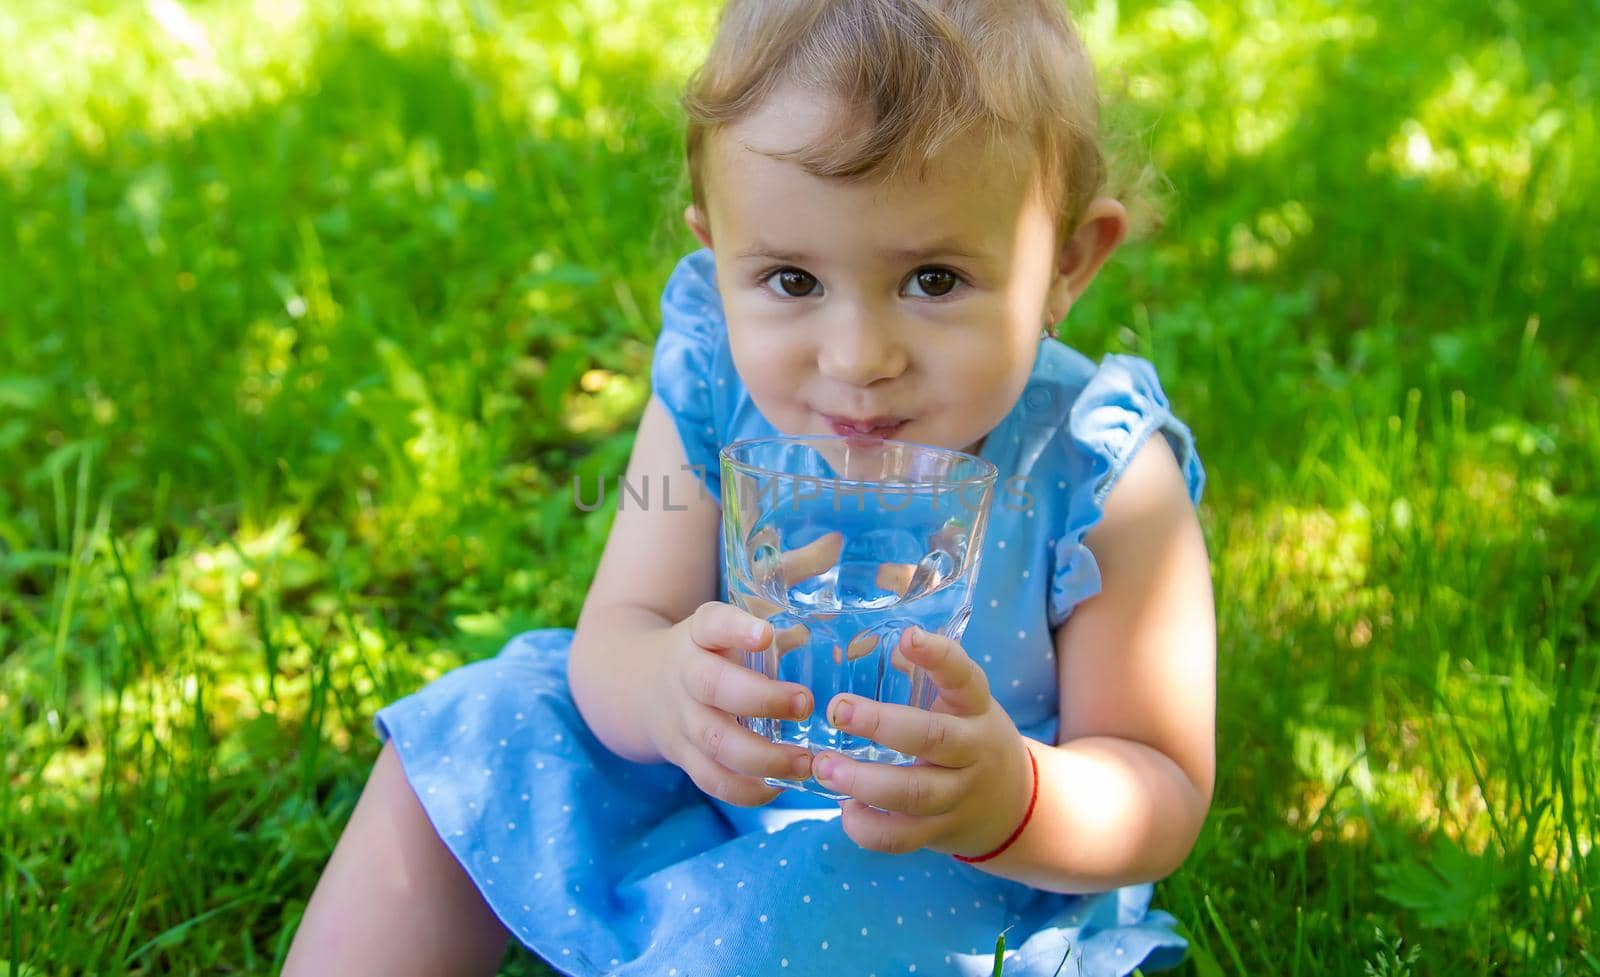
897 198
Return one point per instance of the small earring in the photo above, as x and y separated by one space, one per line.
1050 328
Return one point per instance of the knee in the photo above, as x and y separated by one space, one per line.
392 898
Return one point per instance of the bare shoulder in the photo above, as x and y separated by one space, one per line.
661 553
1149 503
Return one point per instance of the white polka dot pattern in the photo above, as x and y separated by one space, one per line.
627 862
609 867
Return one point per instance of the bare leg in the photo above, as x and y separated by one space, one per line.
393 900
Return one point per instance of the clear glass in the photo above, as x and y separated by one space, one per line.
842 543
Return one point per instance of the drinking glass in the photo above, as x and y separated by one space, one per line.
842 543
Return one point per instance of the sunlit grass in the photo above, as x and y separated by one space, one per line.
1229 80
310 313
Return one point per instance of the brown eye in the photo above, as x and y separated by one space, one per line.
936 282
795 283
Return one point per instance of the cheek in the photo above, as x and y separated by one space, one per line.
767 364
981 380
988 361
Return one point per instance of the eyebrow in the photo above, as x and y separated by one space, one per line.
934 250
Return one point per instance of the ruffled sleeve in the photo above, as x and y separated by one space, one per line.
1118 409
687 359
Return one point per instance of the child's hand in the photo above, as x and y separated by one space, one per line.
970 785
701 687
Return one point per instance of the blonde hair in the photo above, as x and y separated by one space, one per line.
917 76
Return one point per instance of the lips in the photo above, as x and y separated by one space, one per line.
866 427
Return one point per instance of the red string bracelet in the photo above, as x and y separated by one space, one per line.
1032 799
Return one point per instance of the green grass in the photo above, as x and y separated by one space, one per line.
308 318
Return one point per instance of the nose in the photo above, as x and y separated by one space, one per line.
862 348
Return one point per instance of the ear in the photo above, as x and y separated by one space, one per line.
697 223
1103 228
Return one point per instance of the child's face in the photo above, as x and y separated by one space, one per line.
918 305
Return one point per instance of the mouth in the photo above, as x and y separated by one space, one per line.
867 427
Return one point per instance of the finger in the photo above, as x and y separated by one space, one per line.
963 688
719 738
895 577
786 639
792 637
921 789
716 626
865 644
861 646
719 781
899 662
809 560
760 606
935 737
884 831
714 681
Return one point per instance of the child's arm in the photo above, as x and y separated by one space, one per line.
1124 794
652 666
656 568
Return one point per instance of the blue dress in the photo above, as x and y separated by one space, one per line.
604 866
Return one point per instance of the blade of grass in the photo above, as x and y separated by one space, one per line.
1224 935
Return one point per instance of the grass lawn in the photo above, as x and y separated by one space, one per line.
310 312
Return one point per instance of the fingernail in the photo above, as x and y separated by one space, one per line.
823 765
842 711
802 765
802 705
914 637
757 630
